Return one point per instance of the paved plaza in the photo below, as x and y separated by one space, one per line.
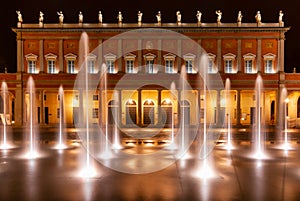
223 176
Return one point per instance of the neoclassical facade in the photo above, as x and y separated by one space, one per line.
238 52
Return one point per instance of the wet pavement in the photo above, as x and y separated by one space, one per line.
224 175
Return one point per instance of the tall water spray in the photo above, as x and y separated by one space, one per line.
259 137
228 108
184 133
116 134
283 112
31 121
4 91
61 137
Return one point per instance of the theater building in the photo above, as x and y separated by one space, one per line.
152 67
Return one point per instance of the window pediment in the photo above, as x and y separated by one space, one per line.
211 56
31 57
229 56
129 56
149 56
110 57
50 56
249 56
91 57
189 56
269 56
70 56
169 56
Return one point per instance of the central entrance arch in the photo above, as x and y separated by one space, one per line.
148 112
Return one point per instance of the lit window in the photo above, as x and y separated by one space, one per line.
91 63
110 62
70 60
269 63
95 97
51 58
228 63
31 63
189 62
211 63
249 63
95 113
71 66
129 59
31 66
169 63
149 66
149 60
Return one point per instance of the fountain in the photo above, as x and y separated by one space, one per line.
283 112
116 135
228 108
183 134
31 121
259 137
4 144
61 138
85 105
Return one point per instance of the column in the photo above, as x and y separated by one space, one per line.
120 58
61 56
219 55
142 70
159 106
19 110
238 108
100 54
280 63
239 56
139 119
120 108
42 115
20 56
41 56
100 107
218 110
259 64
179 53
159 56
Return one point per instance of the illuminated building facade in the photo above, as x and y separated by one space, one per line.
237 51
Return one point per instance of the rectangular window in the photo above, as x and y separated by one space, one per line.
228 66
71 66
51 66
189 66
268 66
248 66
129 66
91 66
95 112
169 66
31 66
149 66
210 66
110 66
95 97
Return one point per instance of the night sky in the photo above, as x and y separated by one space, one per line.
30 12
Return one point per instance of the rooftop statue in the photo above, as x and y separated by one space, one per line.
239 17
219 17
41 18
120 17
158 17
198 15
258 17
20 19
60 17
140 15
280 20
178 14
80 17
100 17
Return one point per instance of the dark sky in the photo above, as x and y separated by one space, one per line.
30 12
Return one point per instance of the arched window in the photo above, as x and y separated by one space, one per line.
298 108
166 112
185 112
148 109
131 112
112 116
